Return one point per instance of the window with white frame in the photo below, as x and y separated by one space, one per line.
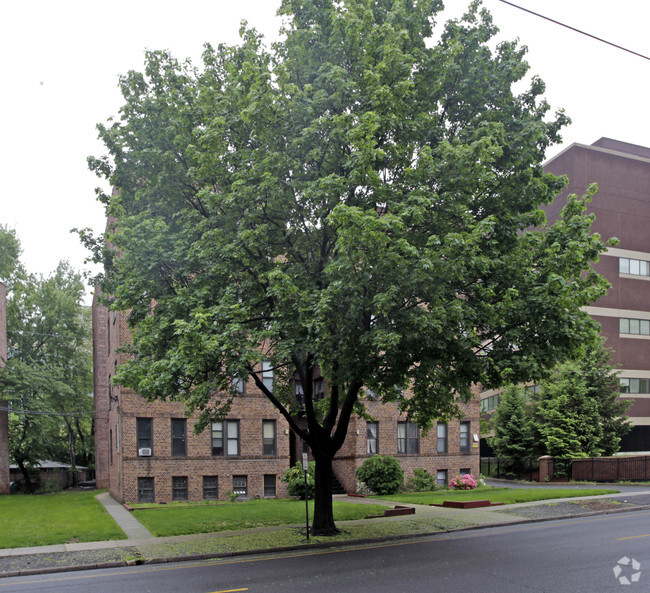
225 438
464 437
634 385
634 267
408 438
268 437
441 434
639 327
267 375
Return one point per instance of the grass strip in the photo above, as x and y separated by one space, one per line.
493 494
184 520
46 519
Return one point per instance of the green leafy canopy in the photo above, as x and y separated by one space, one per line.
357 201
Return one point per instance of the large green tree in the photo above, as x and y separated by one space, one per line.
47 380
357 202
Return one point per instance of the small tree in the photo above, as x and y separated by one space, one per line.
512 437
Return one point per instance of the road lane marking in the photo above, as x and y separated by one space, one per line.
618 539
231 590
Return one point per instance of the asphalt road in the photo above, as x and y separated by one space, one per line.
577 556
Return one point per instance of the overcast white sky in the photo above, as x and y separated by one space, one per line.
61 62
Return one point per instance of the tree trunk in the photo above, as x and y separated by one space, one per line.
28 484
323 521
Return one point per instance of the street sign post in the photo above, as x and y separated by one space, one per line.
305 467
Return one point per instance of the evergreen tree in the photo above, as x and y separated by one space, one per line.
512 437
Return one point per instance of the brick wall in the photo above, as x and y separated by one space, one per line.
353 453
119 466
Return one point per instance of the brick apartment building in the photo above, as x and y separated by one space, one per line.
622 209
147 451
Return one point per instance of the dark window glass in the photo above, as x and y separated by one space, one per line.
179 431
144 434
441 477
210 487
268 437
319 389
179 488
145 490
269 485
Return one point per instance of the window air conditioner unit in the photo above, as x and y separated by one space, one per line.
144 452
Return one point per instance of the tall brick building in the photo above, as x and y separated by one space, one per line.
147 451
622 210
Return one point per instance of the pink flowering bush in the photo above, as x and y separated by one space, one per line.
465 482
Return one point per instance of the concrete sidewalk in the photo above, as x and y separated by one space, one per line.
141 547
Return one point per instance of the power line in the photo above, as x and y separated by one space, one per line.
576 30
42 412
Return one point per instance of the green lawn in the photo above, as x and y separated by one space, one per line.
182 520
44 519
493 494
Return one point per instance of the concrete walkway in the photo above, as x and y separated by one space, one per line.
127 522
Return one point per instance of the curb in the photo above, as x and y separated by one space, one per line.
314 546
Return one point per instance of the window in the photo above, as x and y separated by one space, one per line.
179 488
267 375
239 385
144 429
634 326
408 438
225 437
464 437
300 394
210 488
269 485
268 437
465 471
441 433
319 389
240 485
145 490
489 403
110 437
634 267
631 385
179 426
441 477
372 432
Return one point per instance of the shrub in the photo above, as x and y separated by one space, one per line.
464 482
421 481
294 477
382 474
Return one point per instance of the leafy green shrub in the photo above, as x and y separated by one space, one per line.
382 474
294 477
421 481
